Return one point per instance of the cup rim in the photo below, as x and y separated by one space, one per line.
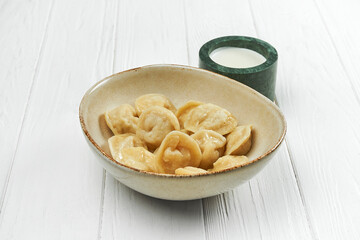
254 44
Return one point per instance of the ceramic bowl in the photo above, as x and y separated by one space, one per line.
180 84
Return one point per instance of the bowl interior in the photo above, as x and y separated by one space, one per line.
180 84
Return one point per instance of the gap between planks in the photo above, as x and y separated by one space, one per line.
115 34
103 185
257 217
253 18
186 35
101 209
303 202
312 232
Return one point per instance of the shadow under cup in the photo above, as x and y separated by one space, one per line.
262 77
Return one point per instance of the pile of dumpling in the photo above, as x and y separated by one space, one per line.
197 138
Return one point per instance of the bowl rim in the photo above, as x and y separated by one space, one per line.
112 161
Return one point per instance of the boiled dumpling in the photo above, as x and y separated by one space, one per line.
212 145
154 124
239 141
119 142
177 150
211 117
229 161
183 112
189 171
122 119
139 158
145 101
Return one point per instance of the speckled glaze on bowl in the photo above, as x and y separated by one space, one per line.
180 84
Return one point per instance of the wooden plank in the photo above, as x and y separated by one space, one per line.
319 98
152 33
341 21
146 37
22 31
55 187
271 202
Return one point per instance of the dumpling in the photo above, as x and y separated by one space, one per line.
139 158
183 112
154 124
177 150
229 161
119 142
189 171
145 101
211 117
239 141
212 145
122 119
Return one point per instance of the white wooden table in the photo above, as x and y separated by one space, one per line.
52 51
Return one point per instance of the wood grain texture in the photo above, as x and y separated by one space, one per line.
52 51
322 110
271 202
340 20
22 33
54 190
148 33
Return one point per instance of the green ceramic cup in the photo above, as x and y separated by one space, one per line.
262 78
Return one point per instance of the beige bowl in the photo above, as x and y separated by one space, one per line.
180 84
